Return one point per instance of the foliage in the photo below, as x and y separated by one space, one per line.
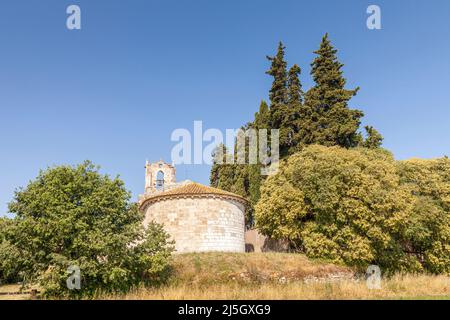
280 211
338 204
286 98
262 117
225 176
321 116
11 259
290 123
295 92
218 159
237 178
373 140
428 227
361 207
333 123
278 93
74 216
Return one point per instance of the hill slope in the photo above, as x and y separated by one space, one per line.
274 276
201 269
280 276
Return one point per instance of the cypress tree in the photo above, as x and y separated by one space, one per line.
254 177
278 93
226 177
214 175
286 99
226 180
240 180
332 120
291 120
373 139
295 93
262 121
262 117
222 173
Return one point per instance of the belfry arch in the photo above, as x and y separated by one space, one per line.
158 176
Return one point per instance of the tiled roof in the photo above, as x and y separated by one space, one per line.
192 189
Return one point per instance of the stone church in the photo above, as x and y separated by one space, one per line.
199 218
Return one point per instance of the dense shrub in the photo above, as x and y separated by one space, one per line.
427 235
353 207
74 216
10 258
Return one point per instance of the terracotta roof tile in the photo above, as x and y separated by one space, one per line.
192 189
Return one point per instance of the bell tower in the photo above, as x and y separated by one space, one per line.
159 176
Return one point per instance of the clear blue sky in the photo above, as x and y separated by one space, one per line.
114 91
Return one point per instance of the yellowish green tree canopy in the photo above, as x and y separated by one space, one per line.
354 207
428 227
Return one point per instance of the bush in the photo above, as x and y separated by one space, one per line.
361 207
427 235
11 258
344 205
74 216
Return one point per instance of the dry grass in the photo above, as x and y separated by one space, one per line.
277 276
12 288
409 287
203 269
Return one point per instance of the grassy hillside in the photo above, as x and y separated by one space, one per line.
276 276
203 269
280 276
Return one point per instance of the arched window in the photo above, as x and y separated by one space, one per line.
160 180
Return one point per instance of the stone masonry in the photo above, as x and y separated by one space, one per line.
199 224
199 218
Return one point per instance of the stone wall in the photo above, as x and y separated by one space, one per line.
151 172
201 223
256 242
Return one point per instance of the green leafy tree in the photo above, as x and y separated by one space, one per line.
11 259
280 211
332 121
76 216
428 227
322 116
344 205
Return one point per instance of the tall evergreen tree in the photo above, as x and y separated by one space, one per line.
226 177
321 116
214 175
222 173
295 93
240 180
285 100
373 139
262 117
278 93
261 121
291 120
332 120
